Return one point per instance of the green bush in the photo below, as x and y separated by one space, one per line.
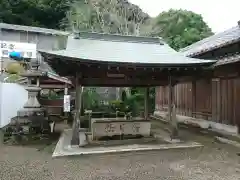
14 68
134 104
116 105
90 100
12 78
52 95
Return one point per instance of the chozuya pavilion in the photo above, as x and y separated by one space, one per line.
93 59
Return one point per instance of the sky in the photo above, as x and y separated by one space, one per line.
220 15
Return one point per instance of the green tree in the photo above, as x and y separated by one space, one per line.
43 13
106 16
91 99
139 94
180 28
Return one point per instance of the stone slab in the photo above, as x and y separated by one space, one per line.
101 128
167 139
63 147
227 141
204 124
227 131
118 119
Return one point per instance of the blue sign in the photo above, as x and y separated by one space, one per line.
16 56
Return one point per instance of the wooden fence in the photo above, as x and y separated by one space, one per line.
217 100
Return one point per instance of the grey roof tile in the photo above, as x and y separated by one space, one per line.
213 42
122 49
45 67
32 29
227 60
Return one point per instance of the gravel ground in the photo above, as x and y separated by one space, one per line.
214 161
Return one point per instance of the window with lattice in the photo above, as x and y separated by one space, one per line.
92 90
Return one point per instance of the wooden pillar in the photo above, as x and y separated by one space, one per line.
194 97
76 123
172 110
146 103
170 89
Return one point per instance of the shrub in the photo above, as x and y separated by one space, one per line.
14 68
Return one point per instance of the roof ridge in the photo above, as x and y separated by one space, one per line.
118 37
201 42
32 29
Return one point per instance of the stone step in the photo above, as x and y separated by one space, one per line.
227 141
150 140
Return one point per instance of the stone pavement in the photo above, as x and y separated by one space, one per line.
214 161
217 129
63 147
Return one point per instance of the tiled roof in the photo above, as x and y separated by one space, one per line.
32 29
122 49
227 60
44 67
58 78
213 42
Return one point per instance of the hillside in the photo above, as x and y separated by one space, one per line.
179 28
109 16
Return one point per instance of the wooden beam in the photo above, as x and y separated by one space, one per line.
119 82
52 86
71 66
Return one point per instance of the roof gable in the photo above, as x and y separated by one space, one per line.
108 48
32 29
213 42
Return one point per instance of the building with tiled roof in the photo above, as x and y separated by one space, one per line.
45 39
216 95
211 46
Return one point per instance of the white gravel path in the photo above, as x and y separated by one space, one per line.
213 162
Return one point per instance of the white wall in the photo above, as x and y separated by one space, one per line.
12 98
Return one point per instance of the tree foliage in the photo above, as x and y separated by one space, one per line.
91 99
106 16
180 28
42 13
139 94
14 68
